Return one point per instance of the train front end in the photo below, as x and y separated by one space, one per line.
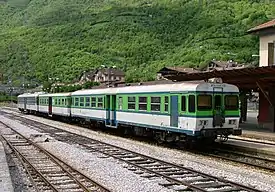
218 112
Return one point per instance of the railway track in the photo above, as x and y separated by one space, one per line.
170 175
261 162
254 141
47 172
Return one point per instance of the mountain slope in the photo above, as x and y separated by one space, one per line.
62 38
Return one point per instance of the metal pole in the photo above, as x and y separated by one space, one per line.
10 94
108 76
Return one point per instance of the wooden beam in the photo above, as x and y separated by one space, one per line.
266 96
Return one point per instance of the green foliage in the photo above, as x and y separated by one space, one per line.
48 87
89 84
62 38
5 98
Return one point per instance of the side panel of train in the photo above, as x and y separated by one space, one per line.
55 105
28 103
89 107
190 113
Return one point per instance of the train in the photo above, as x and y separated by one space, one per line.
181 111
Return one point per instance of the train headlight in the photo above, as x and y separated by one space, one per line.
232 122
203 122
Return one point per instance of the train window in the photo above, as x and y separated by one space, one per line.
204 102
76 101
231 102
183 103
81 101
93 101
100 102
155 103
142 103
120 103
132 103
218 101
63 102
166 103
87 102
191 103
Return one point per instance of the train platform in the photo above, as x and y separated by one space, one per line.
259 134
254 140
5 179
251 145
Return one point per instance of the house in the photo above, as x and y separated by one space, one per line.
222 65
103 75
166 71
212 65
266 33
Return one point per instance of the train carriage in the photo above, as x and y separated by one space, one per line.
28 102
171 111
58 104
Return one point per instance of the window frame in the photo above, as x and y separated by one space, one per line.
81 101
215 106
166 104
76 102
204 108
87 101
155 104
120 102
181 106
237 107
193 109
93 102
142 103
100 103
131 103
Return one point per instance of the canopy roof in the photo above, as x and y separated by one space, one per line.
247 78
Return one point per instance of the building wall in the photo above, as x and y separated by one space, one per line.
266 113
264 40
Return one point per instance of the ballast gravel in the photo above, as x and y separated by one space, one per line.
264 181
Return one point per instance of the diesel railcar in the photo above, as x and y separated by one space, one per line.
169 112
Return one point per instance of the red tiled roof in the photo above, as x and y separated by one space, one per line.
263 26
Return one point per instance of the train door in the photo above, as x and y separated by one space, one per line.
50 111
174 117
218 106
37 104
111 111
25 103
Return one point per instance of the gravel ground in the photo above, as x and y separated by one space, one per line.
107 171
19 178
245 175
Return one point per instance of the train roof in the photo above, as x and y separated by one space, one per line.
29 95
55 94
176 87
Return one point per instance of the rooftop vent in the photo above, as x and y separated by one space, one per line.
215 80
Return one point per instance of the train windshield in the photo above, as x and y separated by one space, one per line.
231 102
204 102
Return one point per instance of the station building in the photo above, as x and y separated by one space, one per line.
261 79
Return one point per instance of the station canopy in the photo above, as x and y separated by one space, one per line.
244 78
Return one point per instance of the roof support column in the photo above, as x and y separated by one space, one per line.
272 96
268 98
243 108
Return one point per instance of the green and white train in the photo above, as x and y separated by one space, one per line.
169 112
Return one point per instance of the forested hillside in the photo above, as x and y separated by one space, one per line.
62 38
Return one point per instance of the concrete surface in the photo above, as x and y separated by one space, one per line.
5 180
